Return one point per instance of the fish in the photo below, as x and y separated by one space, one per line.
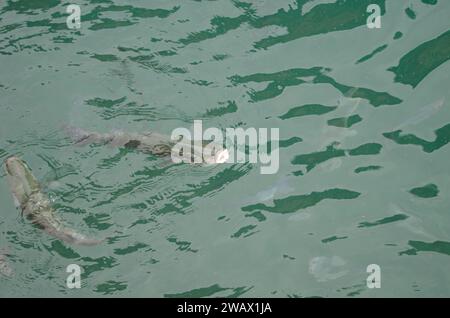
147 142
335 136
325 268
5 268
281 186
423 113
338 134
35 206
412 224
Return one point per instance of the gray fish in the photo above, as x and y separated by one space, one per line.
281 186
423 113
5 269
36 206
150 142
325 268
336 135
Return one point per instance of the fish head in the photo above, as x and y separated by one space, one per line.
207 152
20 179
214 153
219 156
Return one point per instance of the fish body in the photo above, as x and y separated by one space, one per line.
423 113
149 142
335 136
5 269
339 134
325 268
280 187
36 206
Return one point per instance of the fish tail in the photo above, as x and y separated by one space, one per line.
89 242
76 134
83 137
79 239
72 237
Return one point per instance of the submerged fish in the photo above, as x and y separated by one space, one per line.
325 268
423 113
5 269
281 186
335 136
153 143
36 206
339 134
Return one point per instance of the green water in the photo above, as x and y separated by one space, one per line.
364 125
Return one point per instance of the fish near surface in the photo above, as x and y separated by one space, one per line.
336 136
325 268
422 114
149 142
36 206
281 186
5 269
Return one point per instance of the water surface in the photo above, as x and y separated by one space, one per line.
364 124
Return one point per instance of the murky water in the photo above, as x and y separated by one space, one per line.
364 125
